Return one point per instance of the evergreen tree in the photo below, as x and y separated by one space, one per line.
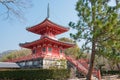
16 54
75 51
98 26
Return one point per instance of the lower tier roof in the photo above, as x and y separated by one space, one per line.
36 56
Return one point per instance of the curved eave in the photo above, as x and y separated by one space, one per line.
48 40
38 28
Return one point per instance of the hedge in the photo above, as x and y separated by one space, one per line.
110 72
35 74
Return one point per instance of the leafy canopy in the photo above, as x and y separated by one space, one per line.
75 51
98 21
99 27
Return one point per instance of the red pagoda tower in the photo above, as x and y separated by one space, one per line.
46 51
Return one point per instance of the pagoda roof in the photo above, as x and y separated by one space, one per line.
46 25
9 65
46 40
26 58
33 57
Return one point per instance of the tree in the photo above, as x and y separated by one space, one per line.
13 8
98 26
16 54
75 51
114 58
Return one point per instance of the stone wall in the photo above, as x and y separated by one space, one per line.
49 63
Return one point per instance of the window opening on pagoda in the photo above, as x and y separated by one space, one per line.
49 49
43 49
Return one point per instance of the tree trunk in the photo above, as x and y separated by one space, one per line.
89 75
92 58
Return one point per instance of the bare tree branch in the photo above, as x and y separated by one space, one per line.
14 8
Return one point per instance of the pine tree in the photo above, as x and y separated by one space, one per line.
98 26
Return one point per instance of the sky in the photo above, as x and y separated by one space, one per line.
13 31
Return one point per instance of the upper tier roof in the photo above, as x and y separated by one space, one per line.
47 40
46 25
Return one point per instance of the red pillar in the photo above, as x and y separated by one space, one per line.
99 75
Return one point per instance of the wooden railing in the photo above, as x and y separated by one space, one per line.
79 66
83 67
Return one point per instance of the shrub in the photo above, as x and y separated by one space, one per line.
35 74
110 72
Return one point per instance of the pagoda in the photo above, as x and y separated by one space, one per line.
47 51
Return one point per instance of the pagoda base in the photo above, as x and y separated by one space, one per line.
47 62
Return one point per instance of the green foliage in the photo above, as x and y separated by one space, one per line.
74 51
96 19
35 74
16 54
66 40
99 26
